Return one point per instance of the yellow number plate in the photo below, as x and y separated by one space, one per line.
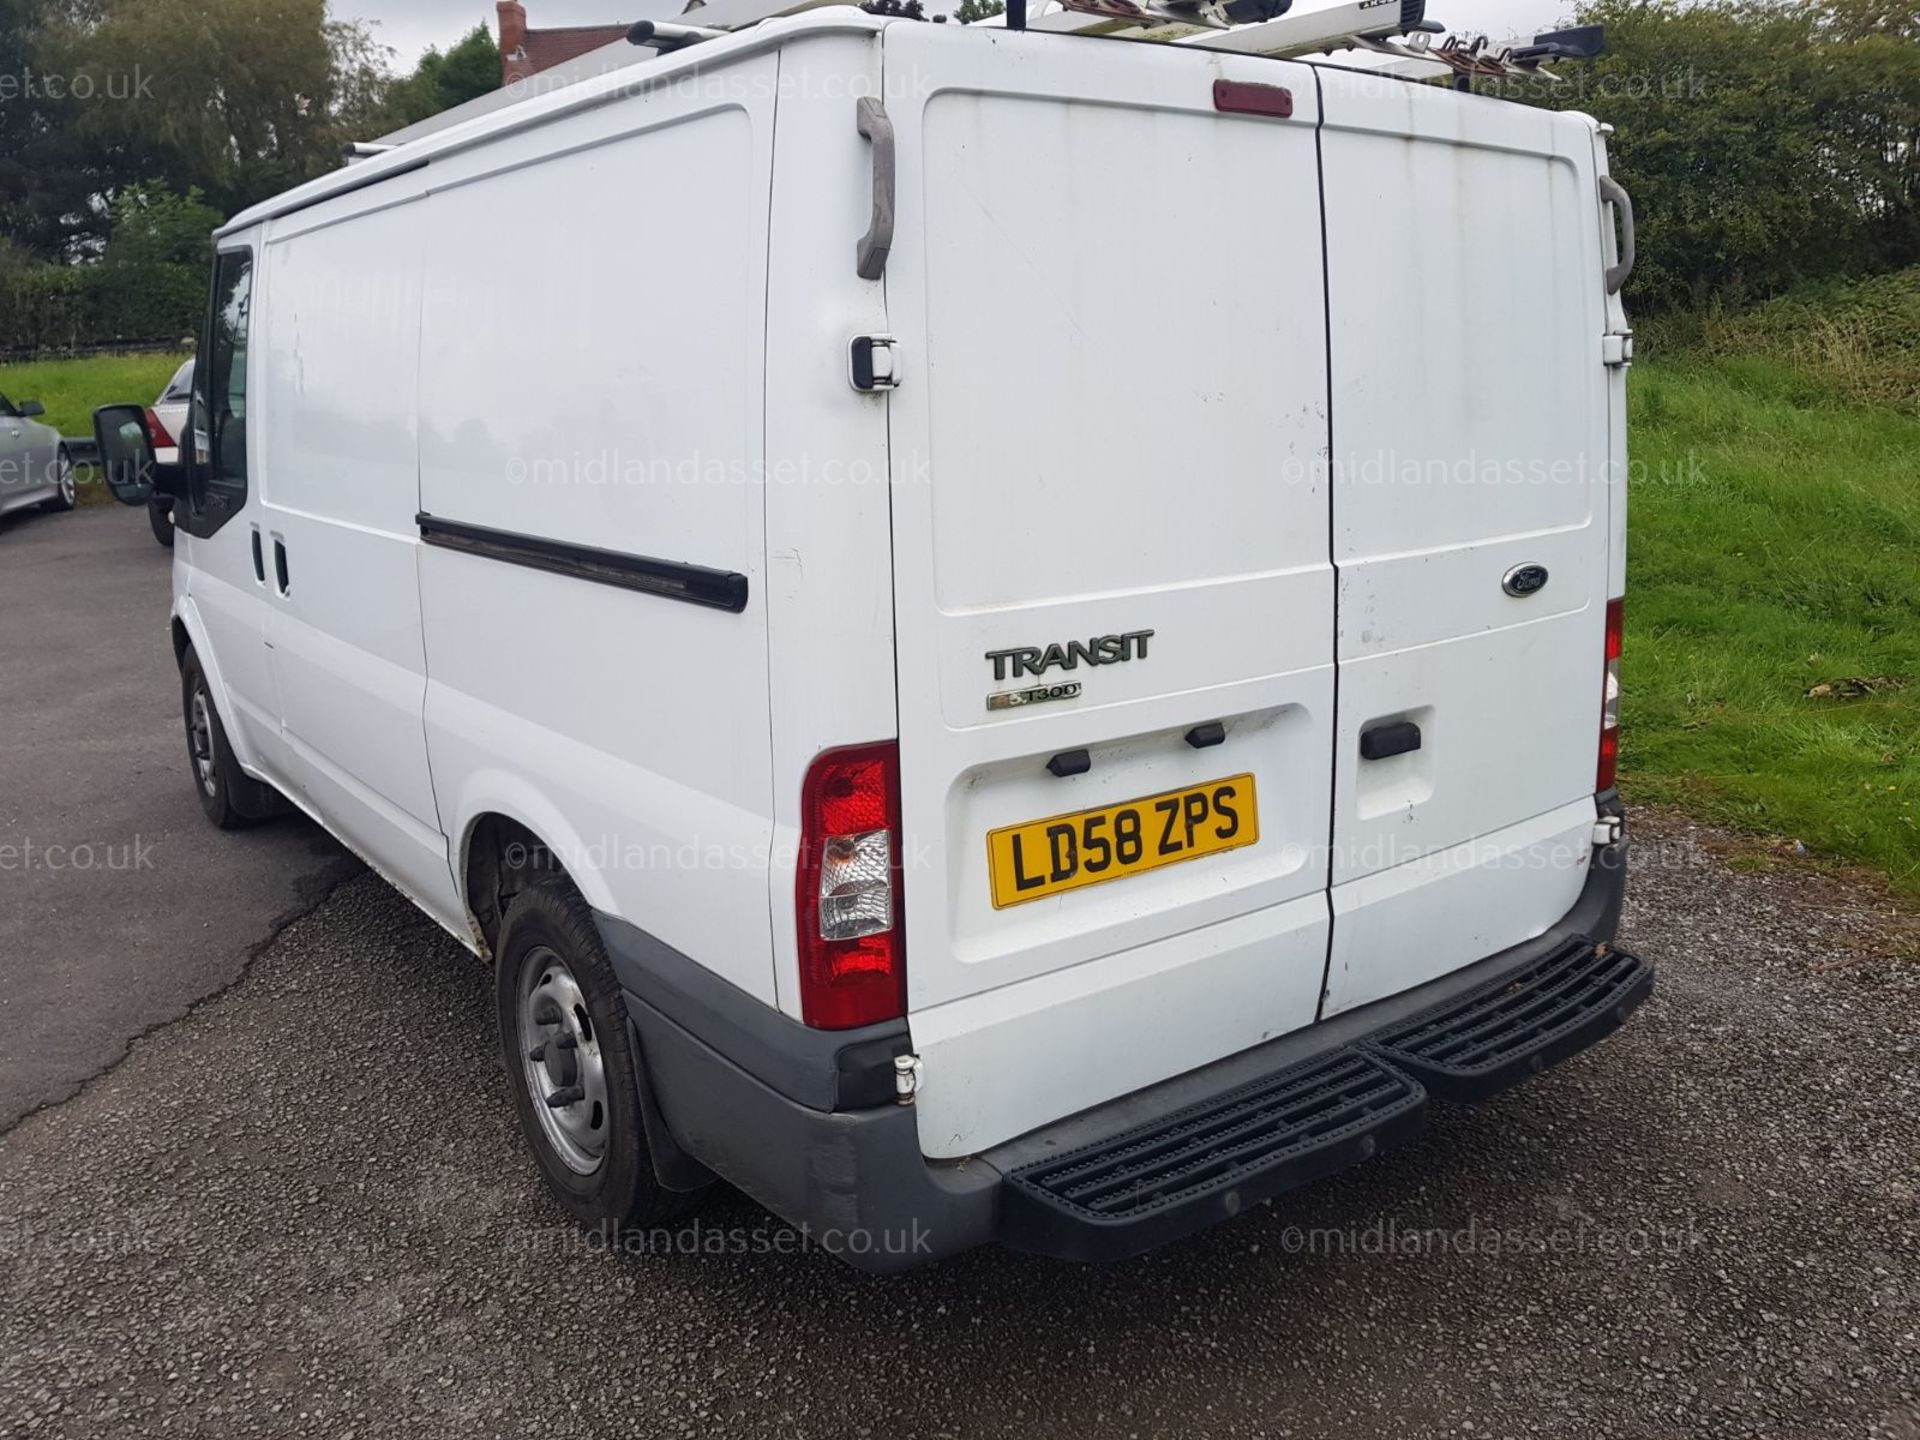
1044 857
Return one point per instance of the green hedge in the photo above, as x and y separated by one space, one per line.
63 307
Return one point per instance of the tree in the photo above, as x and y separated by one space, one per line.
1878 121
150 225
149 283
968 11
1766 143
45 183
466 71
152 280
241 98
362 82
233 99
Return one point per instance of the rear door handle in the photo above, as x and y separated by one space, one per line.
870 253
1069 763
280 563
1387 740
1614 194
1205 737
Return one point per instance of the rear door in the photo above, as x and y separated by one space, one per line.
1470 523
1113 601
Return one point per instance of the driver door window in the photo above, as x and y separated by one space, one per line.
219 477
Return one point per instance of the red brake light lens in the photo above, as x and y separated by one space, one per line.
847 891
1610 701
161 439
1247 97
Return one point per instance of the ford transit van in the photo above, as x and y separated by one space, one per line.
997 636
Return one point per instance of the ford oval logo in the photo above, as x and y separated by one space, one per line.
1525 580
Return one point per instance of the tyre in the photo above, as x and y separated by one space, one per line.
65 495
160 517
230 797
572 1065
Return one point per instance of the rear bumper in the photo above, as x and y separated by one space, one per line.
1144 1169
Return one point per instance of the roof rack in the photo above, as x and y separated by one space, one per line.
1254 27
1398 29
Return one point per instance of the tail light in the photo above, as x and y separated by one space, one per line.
852 949
161 439
1610 703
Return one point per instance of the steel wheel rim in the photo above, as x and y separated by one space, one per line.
561 1059
200 742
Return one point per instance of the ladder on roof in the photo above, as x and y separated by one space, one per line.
1256 27
1395 28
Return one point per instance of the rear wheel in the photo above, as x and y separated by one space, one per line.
572 1064
230 797
65 494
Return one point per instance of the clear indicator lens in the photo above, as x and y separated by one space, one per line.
856 885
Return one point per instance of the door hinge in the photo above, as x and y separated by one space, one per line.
873 363
906 1078
1616 349
1608 829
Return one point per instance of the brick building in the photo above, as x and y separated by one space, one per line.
525 52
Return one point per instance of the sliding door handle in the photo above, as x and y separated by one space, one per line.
280 564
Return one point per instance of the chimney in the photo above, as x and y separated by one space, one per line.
513 28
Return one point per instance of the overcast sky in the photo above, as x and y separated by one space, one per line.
410 26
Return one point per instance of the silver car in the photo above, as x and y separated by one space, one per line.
35 468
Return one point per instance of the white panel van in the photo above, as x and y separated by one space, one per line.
998 636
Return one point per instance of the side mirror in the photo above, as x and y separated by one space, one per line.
27 409
126 456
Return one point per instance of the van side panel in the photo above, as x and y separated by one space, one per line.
591 375
339 297
1470 440
829 553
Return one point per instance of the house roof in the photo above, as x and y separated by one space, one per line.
543 49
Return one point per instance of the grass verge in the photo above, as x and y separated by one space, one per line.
1772 667
72 389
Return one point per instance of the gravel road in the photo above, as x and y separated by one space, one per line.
303 1208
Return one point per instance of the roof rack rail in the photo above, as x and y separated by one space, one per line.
1398 29
666 37
1402 33
1259 27
717 17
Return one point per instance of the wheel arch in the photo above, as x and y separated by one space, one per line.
188 632
509 835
